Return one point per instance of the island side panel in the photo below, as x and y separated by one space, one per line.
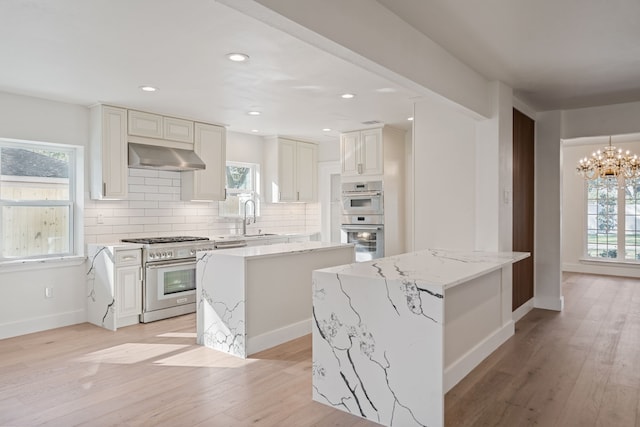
474 323
378 348
101 303
279 294
220 302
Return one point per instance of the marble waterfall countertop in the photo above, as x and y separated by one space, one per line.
432 267
392 335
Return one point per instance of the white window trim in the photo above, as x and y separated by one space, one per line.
76 253
620 257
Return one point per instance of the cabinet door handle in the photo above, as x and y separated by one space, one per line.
360 168
225 194
298 196
104 188
128 257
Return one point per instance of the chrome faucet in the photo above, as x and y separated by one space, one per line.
248 221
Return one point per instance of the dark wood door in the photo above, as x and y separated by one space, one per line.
523 198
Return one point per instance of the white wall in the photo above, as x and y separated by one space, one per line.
547 261
494 174
444 177
585 123
23 308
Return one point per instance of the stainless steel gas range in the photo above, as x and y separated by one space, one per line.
169 274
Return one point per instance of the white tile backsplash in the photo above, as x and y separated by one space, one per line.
154 208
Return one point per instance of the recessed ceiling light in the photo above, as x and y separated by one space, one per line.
347 95
147 88
237 57
386 90
326 130
410 119
254 130
254 113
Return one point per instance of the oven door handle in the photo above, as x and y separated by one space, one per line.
164 264
361 227
361 194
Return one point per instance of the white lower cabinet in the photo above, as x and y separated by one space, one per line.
129 291
114 286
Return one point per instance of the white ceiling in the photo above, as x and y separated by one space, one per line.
85 52
560 54
555 54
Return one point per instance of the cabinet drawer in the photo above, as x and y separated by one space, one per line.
145 124
129 257
178 129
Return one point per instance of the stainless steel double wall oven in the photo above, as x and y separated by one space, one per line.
363 218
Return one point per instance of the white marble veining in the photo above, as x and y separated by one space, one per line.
379 331
433 267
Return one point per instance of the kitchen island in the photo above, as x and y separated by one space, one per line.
253 298
393 335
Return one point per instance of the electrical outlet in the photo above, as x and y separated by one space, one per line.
100 218
48 292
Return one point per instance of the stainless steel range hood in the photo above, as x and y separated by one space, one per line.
143 156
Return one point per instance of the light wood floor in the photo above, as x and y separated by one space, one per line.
580 367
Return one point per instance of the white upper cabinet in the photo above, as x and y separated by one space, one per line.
207 184
177 129
306 171
290 170
108 145
155 126
361 153
145 124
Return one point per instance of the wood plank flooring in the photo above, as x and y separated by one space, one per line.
580 367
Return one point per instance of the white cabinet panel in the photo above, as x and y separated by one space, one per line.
208 184
290 170
287 171
306 175
371 152
145 124
349 145
361 153
129 291
178 129
108 156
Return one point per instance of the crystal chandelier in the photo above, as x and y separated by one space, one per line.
609 163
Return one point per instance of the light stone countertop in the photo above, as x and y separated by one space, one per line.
432 267
279 249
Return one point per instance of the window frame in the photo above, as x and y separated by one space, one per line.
74 203
621 217
252 194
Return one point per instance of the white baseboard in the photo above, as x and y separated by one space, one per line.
556 304
603 268
38 324
465 364
278 336
522 310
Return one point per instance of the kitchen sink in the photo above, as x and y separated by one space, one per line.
260 235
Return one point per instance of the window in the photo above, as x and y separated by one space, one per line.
38 195
613 219
242 183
